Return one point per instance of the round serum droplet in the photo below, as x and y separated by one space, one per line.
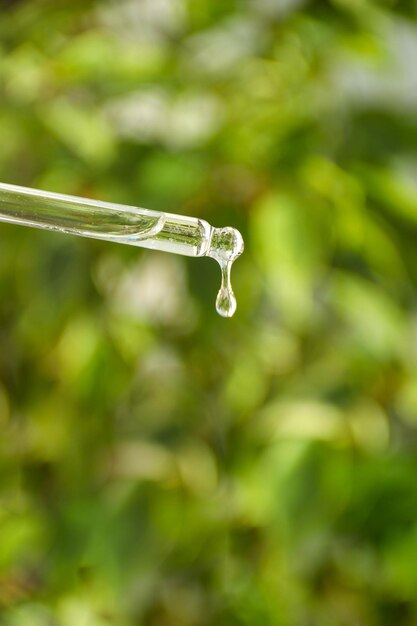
226 303
226 246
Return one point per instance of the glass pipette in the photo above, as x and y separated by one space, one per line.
131 225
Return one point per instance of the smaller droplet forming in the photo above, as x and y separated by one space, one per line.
226 246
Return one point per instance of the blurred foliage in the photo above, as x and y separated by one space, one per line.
158 464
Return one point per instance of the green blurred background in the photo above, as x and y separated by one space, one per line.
160 465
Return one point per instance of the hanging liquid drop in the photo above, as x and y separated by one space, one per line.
226 246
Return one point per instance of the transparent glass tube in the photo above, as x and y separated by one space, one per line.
104 220
131 225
